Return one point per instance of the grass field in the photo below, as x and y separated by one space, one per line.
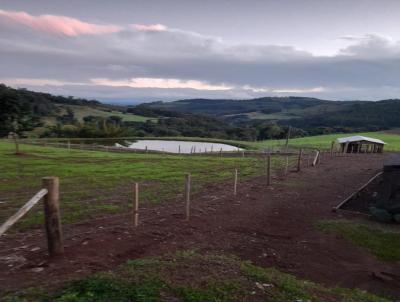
94 182
324 141
383 242
81 111
217 278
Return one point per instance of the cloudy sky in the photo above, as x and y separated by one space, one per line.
131 50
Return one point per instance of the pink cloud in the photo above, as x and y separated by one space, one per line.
149 27
59 25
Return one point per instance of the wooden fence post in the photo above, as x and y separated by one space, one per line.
187 196
268 169
286 164
332 147
315 161
287 139
235 183
52 216
136 205
15 136
179 151
299 160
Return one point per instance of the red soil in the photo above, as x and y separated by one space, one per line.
271 226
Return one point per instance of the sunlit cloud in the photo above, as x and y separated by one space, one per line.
58 25
160 83
283 90
149 27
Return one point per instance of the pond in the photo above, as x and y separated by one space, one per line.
180 146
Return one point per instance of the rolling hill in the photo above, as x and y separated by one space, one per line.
301 112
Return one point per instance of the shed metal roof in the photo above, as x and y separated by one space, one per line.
358 138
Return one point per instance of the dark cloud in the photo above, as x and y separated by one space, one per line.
193 65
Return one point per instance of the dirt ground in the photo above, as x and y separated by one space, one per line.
271 226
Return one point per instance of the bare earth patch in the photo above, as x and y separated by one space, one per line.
272 227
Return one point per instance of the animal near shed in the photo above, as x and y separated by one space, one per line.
360 144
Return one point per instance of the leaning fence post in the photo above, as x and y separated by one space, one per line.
235 183
52 216
268 169
315 161
299 160
187 196
136 205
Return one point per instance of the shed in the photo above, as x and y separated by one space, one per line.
360 144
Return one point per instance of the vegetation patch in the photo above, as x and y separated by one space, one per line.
379 240
95 182
324 141
190 277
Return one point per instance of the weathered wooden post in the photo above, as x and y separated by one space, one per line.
286 164
332 147
179 149
187 196
268 169
346 147
136 205
299 160
235 182
52 216
15 137
146 149
220 152
315 161
287 138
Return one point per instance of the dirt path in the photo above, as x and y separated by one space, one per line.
270 226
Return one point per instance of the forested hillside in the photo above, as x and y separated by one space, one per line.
32 113
312 115
41 114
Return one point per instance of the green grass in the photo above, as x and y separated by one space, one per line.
191 277
382 242
318 141
94 182
81 111
324 141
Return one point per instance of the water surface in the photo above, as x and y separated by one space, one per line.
181 146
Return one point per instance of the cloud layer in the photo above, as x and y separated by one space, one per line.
58 25
65 55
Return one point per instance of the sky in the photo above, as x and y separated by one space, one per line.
129 51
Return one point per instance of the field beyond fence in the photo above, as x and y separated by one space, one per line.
94 184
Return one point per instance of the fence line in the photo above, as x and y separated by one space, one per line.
50 195
50 192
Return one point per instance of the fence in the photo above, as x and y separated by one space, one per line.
50 195
276 165
194 152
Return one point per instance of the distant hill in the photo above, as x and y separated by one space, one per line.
220 107
301 112
41 114
25 110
